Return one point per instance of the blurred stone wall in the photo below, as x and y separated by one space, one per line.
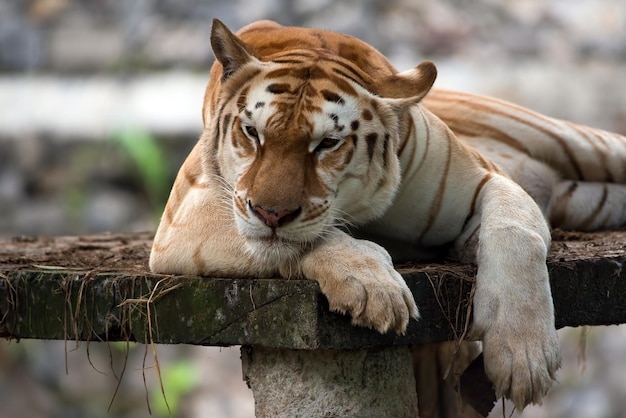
76 75
132 35
542 53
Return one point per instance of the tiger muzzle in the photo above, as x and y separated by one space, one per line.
274 218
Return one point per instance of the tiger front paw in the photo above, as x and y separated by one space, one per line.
362 282
374 299
521 362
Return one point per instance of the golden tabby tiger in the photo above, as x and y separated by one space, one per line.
307 131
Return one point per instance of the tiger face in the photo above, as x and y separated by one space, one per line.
304 156
304 146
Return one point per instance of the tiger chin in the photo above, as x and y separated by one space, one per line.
308 131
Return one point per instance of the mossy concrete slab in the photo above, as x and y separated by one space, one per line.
282 313
92 305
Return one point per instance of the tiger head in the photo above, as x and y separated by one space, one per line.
304 127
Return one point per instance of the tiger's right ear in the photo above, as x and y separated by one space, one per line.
409 87
229 50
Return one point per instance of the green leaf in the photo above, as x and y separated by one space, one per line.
179 379
144 150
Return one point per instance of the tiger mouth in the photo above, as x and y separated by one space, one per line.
274 239
276 242
275 249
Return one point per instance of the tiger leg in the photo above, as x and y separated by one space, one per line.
513 311
437 368
588 206
358 277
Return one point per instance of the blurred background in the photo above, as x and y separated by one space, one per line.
100 102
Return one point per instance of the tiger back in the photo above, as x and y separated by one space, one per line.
575 173
311 135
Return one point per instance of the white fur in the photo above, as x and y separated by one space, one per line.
209 226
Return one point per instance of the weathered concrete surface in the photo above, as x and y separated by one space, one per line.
374 382
98 288
52 304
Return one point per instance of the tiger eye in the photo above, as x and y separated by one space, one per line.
250 130
327 143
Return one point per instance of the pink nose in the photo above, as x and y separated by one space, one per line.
273 218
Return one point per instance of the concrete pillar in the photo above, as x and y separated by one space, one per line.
370 382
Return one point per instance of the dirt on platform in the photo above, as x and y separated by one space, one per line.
568 245
131 250
103 252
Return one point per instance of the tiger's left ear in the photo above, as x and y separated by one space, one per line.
409 87
229 50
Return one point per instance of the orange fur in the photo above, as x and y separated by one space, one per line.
307 132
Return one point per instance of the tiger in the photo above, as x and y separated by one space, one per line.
316 150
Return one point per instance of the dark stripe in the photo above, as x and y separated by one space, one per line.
279 88
282 72
558 139
357 74
238 140
348 155
271 47
343 85
354 139
485 162
435 206
226 123
335 119
558 211
315 73
307 55
586 132
198 261
332 97
371 144
477 191
167 214
598 209
386 154
386 145
321 37
243 98
344 75
465 99
194 183
562 142
287 61
426 147
406 138
471 129
218 128
216 144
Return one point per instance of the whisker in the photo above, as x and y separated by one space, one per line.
340 215
224 199
352 112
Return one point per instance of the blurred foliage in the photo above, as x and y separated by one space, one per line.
179 378
150 160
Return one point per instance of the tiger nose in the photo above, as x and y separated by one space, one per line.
274 218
